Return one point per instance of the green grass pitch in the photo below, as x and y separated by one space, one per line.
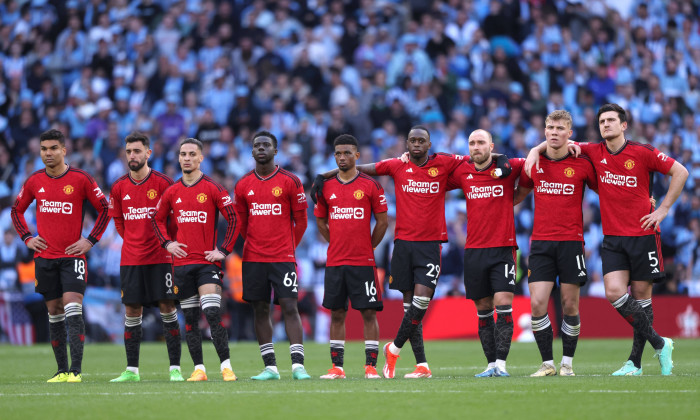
452 392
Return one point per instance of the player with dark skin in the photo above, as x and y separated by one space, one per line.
345 157
264 154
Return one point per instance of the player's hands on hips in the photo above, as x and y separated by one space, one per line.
37 244
574 148
317 187
405 158
653 220
79 248
214 256
176 248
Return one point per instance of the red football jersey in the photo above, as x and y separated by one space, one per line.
348 208
420 192
59 209
134 203
267 205
490 219
624 180
196 211
558 187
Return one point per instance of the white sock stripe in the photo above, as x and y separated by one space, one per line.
190 302
504 311
132 321
211 300
267 348
572 330
406 306
57 318
296 348
371 342
644 302
540 324
171 317
73 309
490 314
340 342
621 301
421 302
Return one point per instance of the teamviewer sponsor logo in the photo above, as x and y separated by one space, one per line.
619 180
421 187
139 213
265 209
488 191
346 213
192 216
63 207
555 188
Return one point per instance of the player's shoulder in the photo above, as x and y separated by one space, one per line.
636 146
120 181
369 180
79 173
35 175
290 177
207 180
161 177
246 178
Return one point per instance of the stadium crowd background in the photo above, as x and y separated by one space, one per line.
310 70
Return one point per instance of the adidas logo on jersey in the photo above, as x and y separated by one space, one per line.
42 190
434 281
294 290
656 270
332 197
251 192
540 171
126 197
373 299
512 282
470 176
178 200
582 274
604 161
409 170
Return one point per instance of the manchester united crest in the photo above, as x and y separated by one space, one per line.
277 191
433 172
175 289
629 164
358 194
493 173
201 197
569 172
151 194
68 189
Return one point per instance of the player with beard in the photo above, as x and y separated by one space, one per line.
631 249
490 249
420 186
59 251
557 248
343 216
146 268
195 202
271 204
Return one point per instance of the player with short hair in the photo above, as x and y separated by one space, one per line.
271 204
490 249
59 250
146 268
557 247
195 201
343 216
631 249
420 186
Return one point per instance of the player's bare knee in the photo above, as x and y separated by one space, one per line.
134 310
167 306
338 316
369 315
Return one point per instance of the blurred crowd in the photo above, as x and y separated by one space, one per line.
308 71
